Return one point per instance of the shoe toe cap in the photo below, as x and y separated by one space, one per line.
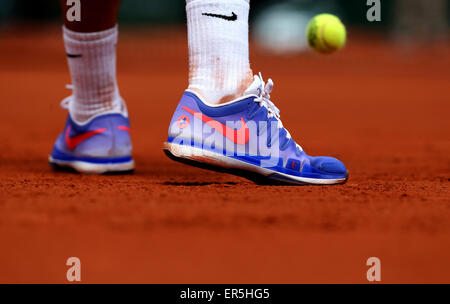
328 165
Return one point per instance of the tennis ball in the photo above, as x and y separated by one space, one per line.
326 33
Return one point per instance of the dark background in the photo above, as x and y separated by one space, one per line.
172 11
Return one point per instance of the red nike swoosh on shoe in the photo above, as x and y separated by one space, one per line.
124 128
73 142
239 137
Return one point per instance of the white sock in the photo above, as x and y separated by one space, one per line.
219 68
92 64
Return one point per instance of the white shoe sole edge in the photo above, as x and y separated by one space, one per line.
91 168
215 159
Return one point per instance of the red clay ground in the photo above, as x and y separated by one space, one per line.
383 112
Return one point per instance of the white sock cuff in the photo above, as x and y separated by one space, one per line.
104 41
199 7
92 36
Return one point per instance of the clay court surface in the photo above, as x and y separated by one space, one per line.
384 112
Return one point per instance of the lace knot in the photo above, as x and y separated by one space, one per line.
264 97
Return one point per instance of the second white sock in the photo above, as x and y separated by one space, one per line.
92 64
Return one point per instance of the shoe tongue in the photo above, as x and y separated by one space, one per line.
254 88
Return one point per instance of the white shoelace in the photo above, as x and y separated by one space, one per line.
264 97
264 100
66 101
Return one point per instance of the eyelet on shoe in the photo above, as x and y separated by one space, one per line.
286 145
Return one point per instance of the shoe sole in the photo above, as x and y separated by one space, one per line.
213 161
91 168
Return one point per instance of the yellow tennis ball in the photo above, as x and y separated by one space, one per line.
326 33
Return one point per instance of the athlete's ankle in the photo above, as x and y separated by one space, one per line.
214 95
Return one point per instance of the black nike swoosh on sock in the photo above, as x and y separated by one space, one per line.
233 16
74 55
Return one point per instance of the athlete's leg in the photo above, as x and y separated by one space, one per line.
91 53
219 68
96 15
96 137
